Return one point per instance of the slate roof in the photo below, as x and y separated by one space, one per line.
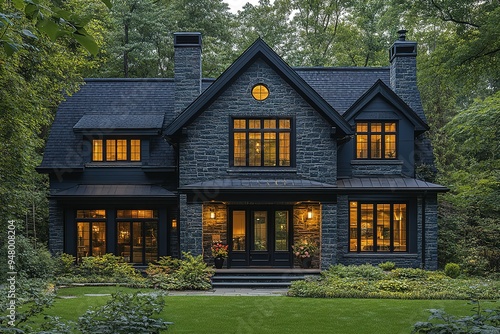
103 102
120 190
388 184
144 122
342 86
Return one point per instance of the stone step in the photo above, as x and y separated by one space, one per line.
259 277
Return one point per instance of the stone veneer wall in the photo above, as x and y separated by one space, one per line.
190 226
307 229
329 237
213 229
377 167
431 232
56 227
204 154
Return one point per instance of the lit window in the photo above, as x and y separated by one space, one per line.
260 92
377 227
376 140
91 233
116 150
261 142
137 232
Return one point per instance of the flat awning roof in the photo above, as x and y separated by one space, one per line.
259 185
119 190
388 184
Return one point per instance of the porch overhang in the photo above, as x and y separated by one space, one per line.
109 191
260 190
387 184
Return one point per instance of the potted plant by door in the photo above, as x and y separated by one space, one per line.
304 251
219 252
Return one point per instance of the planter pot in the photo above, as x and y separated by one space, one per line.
306 263
219 262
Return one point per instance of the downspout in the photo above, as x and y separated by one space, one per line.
424 199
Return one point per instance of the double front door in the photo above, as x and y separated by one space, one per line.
260 236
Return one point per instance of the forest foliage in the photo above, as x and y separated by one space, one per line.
48 46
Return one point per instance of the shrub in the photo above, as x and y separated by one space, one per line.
365 271
64 264
125 313
190 273
452 270
487 322
387 266
107 268
410 273
31 261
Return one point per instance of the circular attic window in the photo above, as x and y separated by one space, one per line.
260 92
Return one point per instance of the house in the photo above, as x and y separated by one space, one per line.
264 157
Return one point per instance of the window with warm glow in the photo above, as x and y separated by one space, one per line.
261 143
137 232
91 233
377 227
116 150
376 140
260 92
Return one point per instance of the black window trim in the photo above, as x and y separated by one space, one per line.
369 122
104 147
358 227
262 167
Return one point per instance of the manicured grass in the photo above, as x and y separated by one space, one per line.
248 314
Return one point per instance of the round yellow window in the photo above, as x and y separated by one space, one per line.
260 92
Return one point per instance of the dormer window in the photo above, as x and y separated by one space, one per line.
261 142
116 149
376 140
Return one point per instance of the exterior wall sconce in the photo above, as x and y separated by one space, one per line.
309 213
174 224
212 213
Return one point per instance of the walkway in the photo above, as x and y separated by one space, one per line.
232 292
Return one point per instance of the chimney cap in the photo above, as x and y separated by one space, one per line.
187 39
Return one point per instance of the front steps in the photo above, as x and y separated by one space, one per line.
259 277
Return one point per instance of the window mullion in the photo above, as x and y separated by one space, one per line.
359 228
391 247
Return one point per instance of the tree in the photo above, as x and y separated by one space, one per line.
33 80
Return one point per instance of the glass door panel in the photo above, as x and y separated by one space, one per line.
281 230
260 231
124 235
137 242
151 241
239 230
98 239
83 239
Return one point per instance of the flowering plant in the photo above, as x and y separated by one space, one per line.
304 249
219 249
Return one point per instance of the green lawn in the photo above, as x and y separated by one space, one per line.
272 314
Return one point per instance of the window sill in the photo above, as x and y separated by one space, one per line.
113 164
376 162
262 170
380 254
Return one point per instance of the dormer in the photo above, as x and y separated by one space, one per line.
385 131
117 140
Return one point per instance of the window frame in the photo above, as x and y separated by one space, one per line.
88 222
375 224
143 221
383 133
277 131
104 149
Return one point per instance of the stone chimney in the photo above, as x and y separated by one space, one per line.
187 68
403 59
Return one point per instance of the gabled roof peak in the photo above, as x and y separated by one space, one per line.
258 49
